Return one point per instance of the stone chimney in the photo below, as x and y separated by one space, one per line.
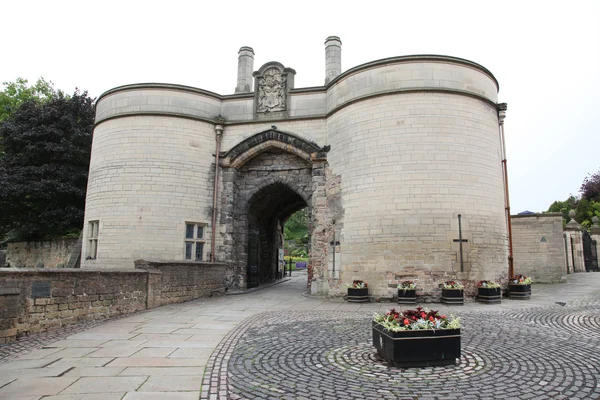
333 58
245 69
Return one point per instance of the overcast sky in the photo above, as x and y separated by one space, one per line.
545 54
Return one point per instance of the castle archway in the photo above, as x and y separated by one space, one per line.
266 178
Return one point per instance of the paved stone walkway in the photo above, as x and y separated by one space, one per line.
277 344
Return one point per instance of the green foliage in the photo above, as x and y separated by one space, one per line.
44 169
564 207
585 208
18 92
296 234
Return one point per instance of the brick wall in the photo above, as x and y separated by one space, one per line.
79 295
50 254
538 247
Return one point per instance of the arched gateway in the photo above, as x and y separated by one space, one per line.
385 155
266 178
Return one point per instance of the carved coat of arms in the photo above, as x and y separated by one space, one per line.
271 91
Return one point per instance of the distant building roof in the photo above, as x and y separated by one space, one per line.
526 212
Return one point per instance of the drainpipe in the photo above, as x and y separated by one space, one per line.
218 133
501 115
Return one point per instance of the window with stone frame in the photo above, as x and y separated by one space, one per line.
92 250
194 241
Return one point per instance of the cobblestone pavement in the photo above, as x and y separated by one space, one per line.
548 352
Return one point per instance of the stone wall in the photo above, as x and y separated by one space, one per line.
176 282
37 300
47 254
539 247
2 258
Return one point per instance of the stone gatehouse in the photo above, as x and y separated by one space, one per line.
385 155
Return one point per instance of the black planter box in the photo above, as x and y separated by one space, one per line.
418 348
358 295
408 296
489 295
519 292
453 296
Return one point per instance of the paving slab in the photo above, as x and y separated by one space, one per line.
26 364
146 352
161 396
114 351
191 353
25 398
174 337
35 387
106 384
182 345
70 352
157 362
159 371
87 396
5 380
82 362
102 336
40 353
94 371
68 343
172 384
49 372
118 343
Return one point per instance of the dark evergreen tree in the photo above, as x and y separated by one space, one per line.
44 168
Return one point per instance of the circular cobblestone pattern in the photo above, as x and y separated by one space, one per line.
544 353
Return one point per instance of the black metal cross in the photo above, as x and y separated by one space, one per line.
460 240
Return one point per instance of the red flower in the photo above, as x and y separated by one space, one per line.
423 315
443 317
406 322
431 319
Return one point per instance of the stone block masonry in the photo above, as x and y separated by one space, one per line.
176 282
47 254
37 300
539 247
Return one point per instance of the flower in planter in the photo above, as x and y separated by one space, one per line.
407 285
453 285
419 318
520 280
357 284
488 284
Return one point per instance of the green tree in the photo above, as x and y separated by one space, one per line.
43 173
18 92
296 234
564 207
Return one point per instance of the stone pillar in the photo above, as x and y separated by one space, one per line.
574 238
595 234
333 58
245 69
